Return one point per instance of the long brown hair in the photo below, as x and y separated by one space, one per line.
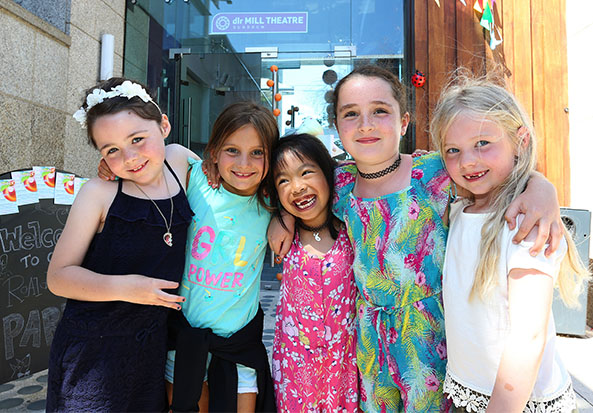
233 118
397 88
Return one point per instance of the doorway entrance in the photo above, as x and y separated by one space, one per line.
202 55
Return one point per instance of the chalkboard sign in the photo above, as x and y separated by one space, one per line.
29 311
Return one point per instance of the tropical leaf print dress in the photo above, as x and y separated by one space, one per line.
314 358
399 246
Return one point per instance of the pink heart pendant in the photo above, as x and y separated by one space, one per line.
168 238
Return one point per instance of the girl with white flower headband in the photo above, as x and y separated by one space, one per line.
217 337
119 260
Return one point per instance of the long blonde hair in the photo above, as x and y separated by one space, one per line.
486 100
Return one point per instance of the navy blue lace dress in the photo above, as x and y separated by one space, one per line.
110 356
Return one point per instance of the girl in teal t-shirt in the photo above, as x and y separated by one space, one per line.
227 239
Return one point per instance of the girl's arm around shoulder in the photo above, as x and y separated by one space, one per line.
177 156
539 203
280 236
530 293
67 278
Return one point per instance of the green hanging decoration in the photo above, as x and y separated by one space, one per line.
487 20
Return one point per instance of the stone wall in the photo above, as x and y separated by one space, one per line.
44 73
55 12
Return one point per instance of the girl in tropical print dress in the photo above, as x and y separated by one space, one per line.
314 358
394 207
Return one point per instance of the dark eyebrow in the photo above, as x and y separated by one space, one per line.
375 102
346 106
127 137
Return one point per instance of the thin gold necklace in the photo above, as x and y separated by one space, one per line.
167 236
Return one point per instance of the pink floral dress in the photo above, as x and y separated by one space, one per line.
314 359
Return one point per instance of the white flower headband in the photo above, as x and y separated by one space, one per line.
126 89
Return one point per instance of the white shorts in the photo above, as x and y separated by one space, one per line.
247 377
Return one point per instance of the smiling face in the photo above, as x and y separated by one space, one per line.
133 147
479 156
241 161
369 122
302 189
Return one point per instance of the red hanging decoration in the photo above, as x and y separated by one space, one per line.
418 79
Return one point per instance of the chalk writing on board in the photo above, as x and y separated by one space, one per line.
29 312
18 288
21 367
35 329
29 237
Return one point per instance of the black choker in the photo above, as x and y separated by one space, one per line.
314 230
379 174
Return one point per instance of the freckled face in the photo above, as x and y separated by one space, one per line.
369 122
241 161
479 156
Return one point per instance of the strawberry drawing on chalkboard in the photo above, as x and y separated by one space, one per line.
29 182
8 191
69 184
49 177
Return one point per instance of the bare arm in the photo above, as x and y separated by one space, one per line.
279 237
539 203
66 277
530 300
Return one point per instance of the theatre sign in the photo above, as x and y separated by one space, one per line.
287 22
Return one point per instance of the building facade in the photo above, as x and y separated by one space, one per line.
199 55
50 54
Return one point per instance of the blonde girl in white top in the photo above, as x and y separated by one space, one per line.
497 297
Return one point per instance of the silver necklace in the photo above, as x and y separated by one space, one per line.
167 236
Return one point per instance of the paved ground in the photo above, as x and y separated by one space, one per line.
28 395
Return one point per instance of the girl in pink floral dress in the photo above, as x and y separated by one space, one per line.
314 359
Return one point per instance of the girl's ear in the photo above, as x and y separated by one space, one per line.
405 121
524 136
165 126
213 156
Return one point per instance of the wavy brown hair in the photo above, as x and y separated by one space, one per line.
233 118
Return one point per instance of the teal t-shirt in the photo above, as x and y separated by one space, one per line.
226 244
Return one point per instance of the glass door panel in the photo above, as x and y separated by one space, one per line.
207 83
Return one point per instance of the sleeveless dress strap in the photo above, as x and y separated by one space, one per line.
174 175
119 184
